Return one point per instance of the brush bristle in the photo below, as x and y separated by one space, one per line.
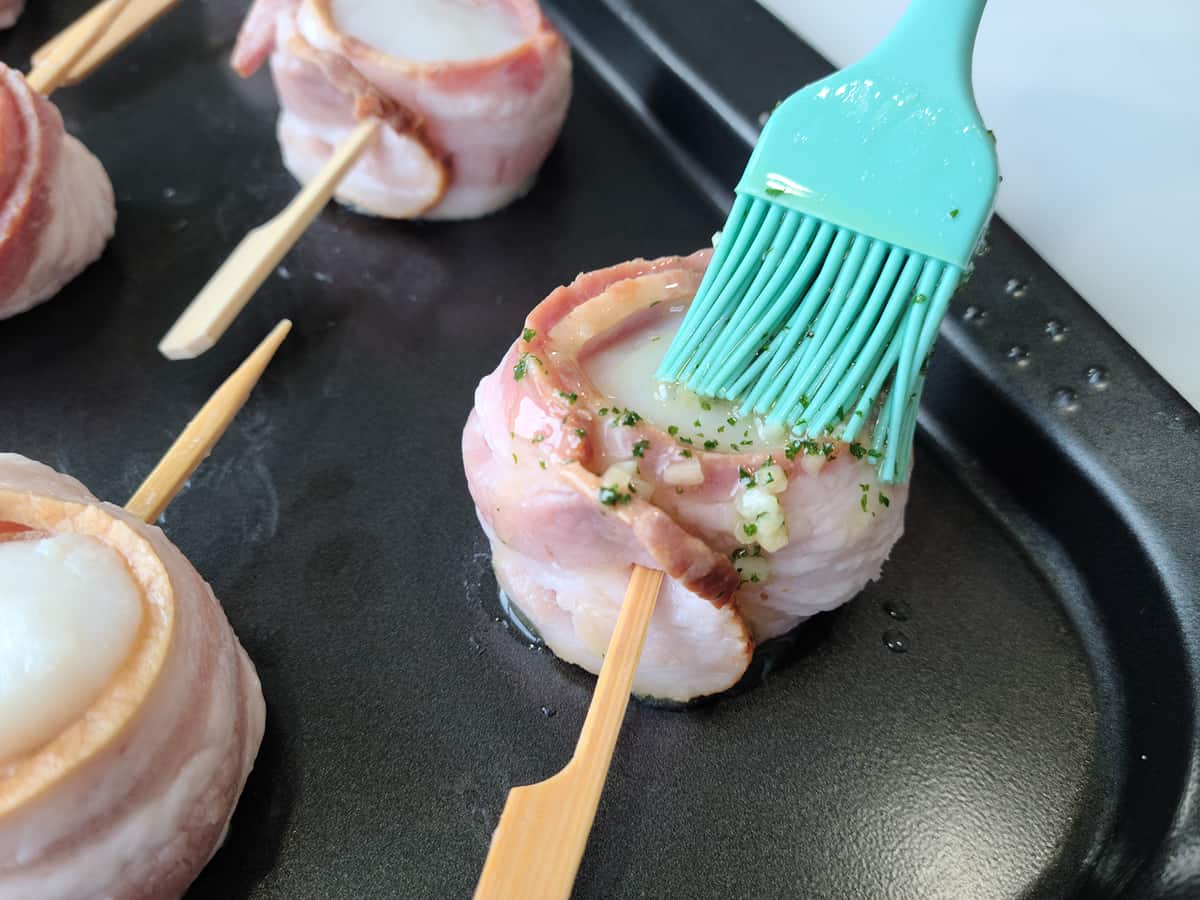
816 327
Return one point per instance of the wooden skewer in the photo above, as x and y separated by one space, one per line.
230 289
205 429
52 72
544 827
137 16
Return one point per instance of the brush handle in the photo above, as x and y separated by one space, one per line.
933 42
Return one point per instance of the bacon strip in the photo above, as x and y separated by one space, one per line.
10 11
56 203
533 461
465 138
130 806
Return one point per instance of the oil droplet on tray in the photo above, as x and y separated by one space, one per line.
1015 288
974 314
895 640
1097 377
897 609
548 712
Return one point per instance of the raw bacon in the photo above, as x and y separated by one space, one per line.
540 448
57 210
464 138
132 799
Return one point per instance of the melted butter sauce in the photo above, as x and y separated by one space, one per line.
624 373
431 30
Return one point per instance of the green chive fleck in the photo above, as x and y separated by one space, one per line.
610 496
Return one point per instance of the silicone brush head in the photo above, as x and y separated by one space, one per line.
854 221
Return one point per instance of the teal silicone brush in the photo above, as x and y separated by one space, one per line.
854 221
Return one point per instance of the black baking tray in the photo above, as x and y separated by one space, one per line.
1038 738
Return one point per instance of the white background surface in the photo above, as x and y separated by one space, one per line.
1096 109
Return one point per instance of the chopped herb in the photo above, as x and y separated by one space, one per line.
841 414
679 490
639 449
754 578
804 400
672 430
884 500
654 304
514 459
604 410
746 475
656 339
874 454
542 463
710 444
529 334
857 450
954 213
538 438
733 447
920 298
521 366
773 191
684 440
792 450
770 475
731 420
720 429
828 449
610 496
750 529
631 418
569 396
582 432
687 454
747 443
705 405
862 501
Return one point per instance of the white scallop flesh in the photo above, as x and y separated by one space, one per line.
69 615
430 30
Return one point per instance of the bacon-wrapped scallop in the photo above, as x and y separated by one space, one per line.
131 715
474 93
581 464
56 203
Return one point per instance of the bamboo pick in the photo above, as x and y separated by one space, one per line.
137 16
232 286
205 429
544 827
52 72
